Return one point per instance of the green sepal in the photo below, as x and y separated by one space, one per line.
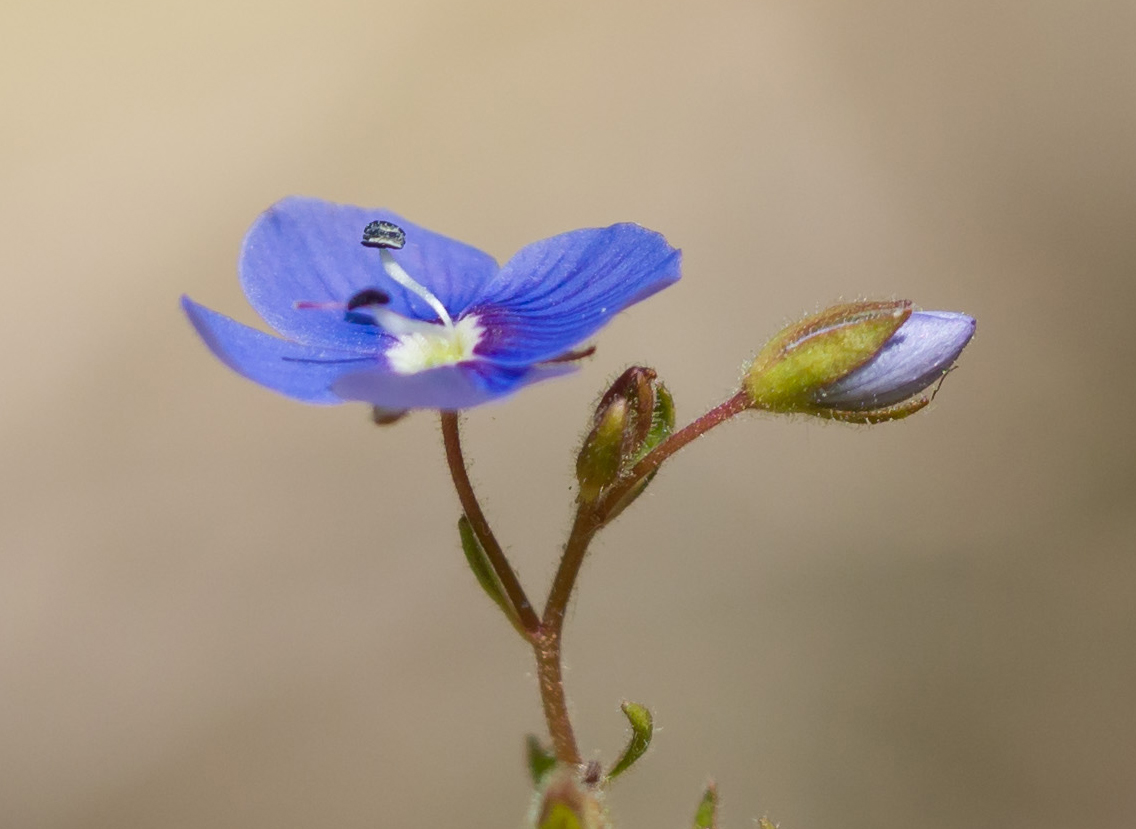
707 815
483 571
642 727
662 421
818 351
602 457
541 761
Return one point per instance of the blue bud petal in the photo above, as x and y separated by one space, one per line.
915 357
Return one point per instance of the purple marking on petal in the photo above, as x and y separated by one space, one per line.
448 388
915 357
558 292
298 371
309 250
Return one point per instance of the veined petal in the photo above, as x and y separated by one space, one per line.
917 354
452 387
304 249
559 291
299 371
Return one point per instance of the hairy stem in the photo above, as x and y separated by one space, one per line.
590 519
451 437
551 680
583 531
546 633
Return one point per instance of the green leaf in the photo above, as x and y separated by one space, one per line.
541 760
482 569
707 815
642 727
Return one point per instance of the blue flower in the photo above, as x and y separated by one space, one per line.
920 352
375 309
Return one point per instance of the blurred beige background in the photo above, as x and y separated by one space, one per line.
219 608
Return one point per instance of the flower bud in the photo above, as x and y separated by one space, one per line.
567 801
863 362
913 358
632 417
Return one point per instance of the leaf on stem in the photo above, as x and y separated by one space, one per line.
642 727
483 570
541 760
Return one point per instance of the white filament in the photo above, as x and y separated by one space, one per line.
395 272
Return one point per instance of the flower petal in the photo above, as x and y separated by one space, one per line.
299 371
915 357
559 291
304 249
449 388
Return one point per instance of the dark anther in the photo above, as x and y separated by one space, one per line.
384 235
367 296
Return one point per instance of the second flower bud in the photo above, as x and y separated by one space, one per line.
633 417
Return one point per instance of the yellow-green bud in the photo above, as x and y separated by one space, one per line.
634 415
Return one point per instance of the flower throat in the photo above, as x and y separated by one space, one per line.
422 344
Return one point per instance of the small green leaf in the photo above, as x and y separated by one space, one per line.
707 815
642 727
541 760
765 823
482 570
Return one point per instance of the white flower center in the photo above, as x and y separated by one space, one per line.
430 345
423 345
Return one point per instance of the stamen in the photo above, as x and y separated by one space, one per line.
386 235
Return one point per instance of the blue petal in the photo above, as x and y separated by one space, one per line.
915 357
304 249
447 387
559 291
299 371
